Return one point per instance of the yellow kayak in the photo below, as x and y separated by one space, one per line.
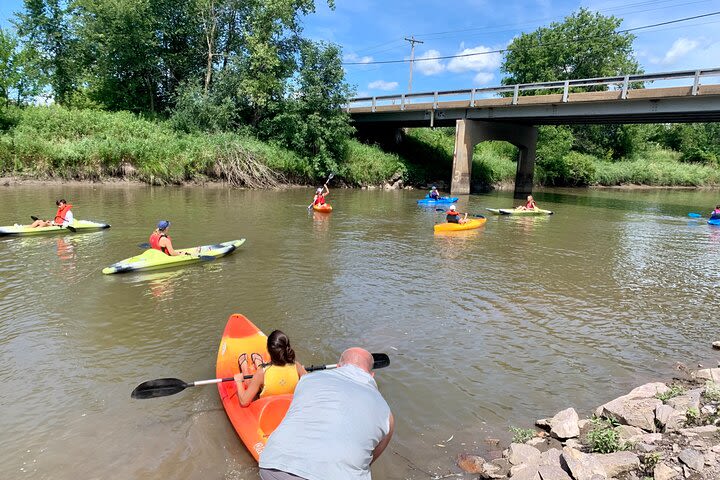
454 227
155 259
78 225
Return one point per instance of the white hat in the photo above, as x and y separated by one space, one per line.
452 207
319 190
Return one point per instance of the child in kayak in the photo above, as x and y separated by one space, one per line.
319 198
453 216
434 194
529 204
715 214
159 240
280 376
63 217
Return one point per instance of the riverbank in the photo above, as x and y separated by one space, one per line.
657 431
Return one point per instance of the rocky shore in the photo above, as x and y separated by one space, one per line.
657 431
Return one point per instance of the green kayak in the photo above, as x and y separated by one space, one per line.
78 225
512 211
155 259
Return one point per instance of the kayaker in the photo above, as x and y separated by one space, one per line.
159 240
529 204
434 194
715 214
337 425
280 376
453 216
63 216
320 195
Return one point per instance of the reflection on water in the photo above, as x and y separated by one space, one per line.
485 328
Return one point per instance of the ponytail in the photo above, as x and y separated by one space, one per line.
278 345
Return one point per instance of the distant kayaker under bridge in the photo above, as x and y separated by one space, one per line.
507 113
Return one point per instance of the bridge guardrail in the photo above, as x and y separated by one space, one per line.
624 82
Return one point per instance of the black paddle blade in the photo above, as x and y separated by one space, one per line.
380 360
72 229
162 387
34 217
144 245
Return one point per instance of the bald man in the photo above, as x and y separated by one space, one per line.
337 425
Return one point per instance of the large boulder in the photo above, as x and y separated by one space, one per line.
565 424
709 374
581 465
626 433
663 472
519 453
693 459
552 472
551 457
689 400
618 462
636 412
669 418
470 463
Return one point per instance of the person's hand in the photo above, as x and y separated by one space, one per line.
188 253
239 377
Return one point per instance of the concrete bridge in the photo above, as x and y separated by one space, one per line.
507 113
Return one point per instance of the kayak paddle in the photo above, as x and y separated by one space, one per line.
330 177
163 387
694 215
477 215
72 229
204 258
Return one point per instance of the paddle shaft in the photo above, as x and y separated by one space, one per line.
324 185
477 215
248 377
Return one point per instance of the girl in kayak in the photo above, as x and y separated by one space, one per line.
529 204
63 217
434 194
453 216
159 240
319 198
715 214
278 377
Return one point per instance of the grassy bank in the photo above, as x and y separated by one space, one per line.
54 142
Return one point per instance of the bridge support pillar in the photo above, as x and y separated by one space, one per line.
469 133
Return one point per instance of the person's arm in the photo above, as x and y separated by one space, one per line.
68 218
165 242
313 202
247 395
300 369
327 190
385 441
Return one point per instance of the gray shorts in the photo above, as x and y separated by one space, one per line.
272 474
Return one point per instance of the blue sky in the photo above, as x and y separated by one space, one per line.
374 30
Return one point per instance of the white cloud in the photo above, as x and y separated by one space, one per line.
429 67
483 78
354 58
382 85
478 60
680 48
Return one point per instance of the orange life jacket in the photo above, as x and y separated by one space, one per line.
155 242
61 212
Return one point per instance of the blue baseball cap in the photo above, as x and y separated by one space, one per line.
163 224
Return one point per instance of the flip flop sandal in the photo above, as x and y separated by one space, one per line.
257 360
242 359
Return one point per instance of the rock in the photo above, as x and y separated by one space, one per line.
693 459
572 443
520 453
470 463
651 438
526 472
709 410
535 441
710 458
565 424
669 418
689 400
649 390
493 442
543 423
704 431
618 462
490 471
709 374
663 472
715 449
585 426
503 465
551 457
552 472
716 344
636 412
645 448
627 433
582 466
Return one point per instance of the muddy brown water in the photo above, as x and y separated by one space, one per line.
485 329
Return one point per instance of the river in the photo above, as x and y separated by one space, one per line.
485 329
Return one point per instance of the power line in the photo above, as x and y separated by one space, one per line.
502 50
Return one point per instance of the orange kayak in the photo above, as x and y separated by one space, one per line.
453 227
322 208
257 421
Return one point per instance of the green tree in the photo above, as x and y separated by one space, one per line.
584 45
48 32
8 67
20 77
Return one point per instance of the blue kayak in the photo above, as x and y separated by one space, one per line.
714 221
442 200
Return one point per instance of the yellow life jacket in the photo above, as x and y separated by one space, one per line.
279 380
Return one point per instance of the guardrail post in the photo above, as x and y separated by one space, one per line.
626 82
472 97
374 104
435 100
696 83
402 102
566 91
516 92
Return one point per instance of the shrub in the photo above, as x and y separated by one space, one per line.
521 435
603 438
712 391
674 391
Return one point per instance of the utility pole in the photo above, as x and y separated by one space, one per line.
412 57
